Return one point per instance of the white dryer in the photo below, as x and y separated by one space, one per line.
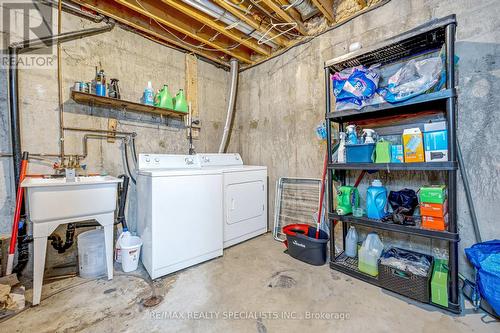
179 213
245 196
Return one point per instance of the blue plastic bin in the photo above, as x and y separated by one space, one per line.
360 153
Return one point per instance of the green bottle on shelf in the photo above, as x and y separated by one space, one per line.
181 102
163 98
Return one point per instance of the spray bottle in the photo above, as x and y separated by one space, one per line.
369 135
352 137
341 150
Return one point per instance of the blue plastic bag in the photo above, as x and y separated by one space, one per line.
485 257
354 85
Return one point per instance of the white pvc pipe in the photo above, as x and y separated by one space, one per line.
230 104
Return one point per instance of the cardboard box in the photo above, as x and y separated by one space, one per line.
435 223
397 155
413 145
434 209
436 142
439 282
433 194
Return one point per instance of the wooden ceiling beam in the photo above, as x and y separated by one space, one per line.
326 8
153 10
287 17
280 40
139 22
233 33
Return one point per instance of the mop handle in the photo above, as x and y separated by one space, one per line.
17 214
322 193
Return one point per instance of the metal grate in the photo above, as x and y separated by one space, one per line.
296 201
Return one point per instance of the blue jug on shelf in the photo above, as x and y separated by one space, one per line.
376 200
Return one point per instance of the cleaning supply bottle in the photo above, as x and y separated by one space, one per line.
352 137
164 99
351 243
341 150
180 102
369 135
376 200
148 95
369 253
123 235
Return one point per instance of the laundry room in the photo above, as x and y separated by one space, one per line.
249 166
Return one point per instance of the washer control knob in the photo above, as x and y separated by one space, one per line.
189 160
157 160
206 159
147 159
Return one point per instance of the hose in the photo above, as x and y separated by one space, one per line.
127 166
230 104
23 240
123 191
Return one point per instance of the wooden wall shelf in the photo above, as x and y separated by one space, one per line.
94 100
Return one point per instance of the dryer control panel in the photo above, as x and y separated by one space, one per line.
168 161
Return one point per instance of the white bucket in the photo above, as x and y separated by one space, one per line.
91 254
130 252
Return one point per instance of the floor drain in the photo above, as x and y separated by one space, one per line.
152 301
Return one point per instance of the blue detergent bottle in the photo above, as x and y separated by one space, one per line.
376 200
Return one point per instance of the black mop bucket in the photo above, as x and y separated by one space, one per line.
302 243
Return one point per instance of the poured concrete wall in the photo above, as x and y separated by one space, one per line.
281 101
133 60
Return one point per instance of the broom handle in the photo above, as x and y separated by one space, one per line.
322 193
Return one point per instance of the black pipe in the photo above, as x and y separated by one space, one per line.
125 147
123 191
57 242
23 240
15 127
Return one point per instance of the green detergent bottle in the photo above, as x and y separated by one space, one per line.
180 102
164 99
347 199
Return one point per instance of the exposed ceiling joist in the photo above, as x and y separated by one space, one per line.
174 20
248 19
326 8
285 15
151 30
234 34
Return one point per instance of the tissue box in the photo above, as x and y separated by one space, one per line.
433 209
436 142
435 223
413 145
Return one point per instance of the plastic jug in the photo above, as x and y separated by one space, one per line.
351 243
163 98
148 95
91 254
376 200
180 102
369 253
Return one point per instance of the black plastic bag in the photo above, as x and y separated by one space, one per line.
405 198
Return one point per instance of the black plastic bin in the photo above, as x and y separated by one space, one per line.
404 282
303 245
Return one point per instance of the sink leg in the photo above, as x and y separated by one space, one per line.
108 241
39 251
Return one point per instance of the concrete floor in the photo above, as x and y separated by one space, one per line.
229 294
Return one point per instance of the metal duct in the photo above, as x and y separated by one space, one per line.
222 15
305 8
230 104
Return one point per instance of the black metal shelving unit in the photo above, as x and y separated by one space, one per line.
427 38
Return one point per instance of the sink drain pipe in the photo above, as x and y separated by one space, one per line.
230 104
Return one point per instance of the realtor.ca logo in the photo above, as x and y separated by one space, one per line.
24 26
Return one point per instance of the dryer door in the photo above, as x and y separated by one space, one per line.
245 201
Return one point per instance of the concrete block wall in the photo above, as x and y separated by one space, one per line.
281 101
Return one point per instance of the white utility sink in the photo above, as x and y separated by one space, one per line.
54 201
54 198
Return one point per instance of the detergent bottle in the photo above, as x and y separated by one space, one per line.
351 243
369 253
181 102
341 150
376 200
164 99
352 137
148 95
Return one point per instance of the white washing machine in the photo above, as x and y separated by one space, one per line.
179 213
245 196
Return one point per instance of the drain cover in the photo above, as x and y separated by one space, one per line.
152 301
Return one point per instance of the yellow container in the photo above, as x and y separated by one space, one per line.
413 145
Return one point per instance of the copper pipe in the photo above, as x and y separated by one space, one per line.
60 84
